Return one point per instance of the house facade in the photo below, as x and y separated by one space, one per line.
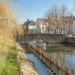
64 27
41 25
30 26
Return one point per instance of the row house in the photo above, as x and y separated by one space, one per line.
64 27
41 25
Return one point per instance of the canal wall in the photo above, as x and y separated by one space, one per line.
70 40
25 66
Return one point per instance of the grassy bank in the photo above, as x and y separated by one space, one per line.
8 65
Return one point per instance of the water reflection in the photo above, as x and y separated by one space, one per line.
63 53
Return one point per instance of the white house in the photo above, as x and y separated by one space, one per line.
31 26
41 25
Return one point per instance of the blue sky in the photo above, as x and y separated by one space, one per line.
33 9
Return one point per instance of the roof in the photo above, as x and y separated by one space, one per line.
29 22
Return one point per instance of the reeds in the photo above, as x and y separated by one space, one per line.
7 26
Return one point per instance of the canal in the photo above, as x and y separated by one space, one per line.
65 53
39 65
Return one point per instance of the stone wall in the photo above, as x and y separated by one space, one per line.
25 65
70 40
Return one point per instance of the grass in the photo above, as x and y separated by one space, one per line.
8 65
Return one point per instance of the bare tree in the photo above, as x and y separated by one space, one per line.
59 18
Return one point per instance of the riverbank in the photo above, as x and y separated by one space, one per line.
8 65
25 66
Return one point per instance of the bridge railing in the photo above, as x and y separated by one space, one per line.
46 37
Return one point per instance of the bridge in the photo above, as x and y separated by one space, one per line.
50 38
57 67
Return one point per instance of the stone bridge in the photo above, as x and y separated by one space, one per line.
50 38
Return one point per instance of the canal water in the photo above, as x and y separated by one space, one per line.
39 65
63 53
67 58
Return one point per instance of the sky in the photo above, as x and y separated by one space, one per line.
33 9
